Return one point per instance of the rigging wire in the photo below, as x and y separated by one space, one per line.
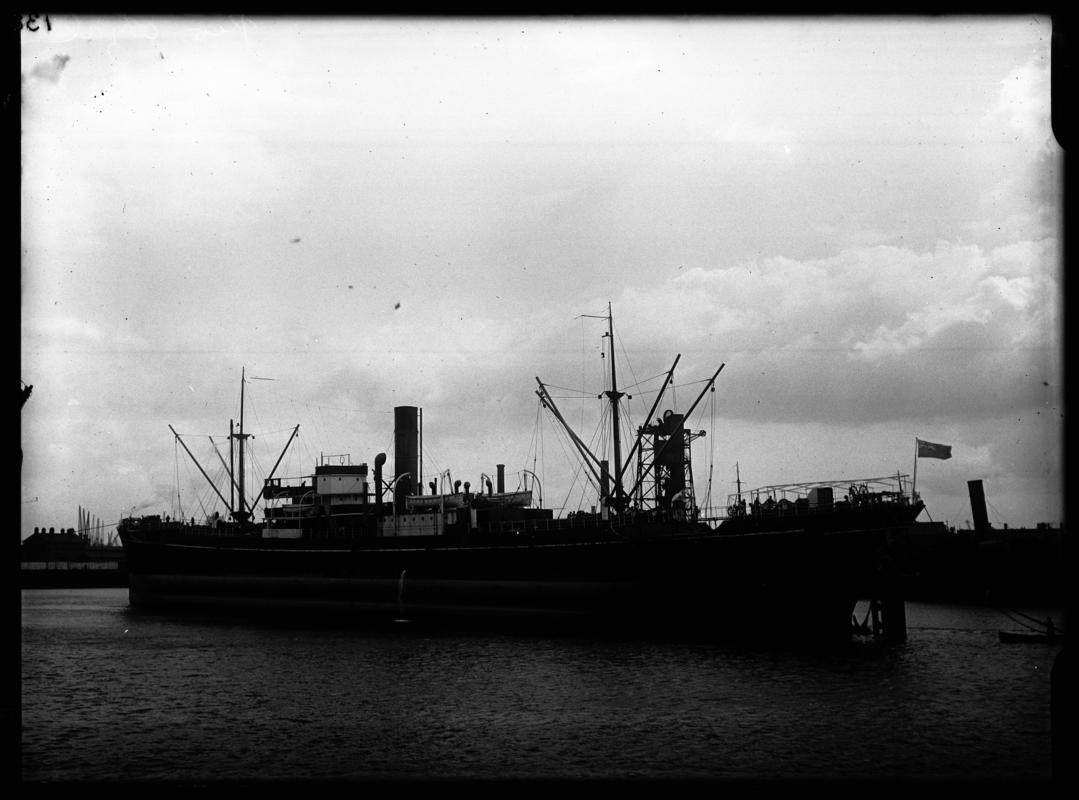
580 425
1041 626
1041 623
202 508
626 428
598 440
176 461
625 360
636 386
257 471
542 463
564 441
432 460
577 392
999 516
711 449
201 481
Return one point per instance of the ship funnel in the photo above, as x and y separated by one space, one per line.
977 505
380 459
501 478
406 453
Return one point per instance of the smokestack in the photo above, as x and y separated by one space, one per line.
501 478
977 505
380 459
406 453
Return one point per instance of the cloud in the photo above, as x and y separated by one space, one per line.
497 200
870 334
50 70
68 329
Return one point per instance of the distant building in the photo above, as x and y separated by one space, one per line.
49 546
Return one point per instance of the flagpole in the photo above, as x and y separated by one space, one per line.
914 482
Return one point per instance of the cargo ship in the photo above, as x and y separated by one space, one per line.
376 543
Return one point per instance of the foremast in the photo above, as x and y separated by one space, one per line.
237 502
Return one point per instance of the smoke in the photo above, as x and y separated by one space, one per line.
163 497
50 70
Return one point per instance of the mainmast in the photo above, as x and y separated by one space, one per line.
668 445
241 514
614 396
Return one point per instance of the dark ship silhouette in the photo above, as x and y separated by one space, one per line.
368 544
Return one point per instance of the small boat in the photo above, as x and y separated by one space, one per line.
522 498
1017 637
417 502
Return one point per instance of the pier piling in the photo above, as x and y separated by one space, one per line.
888 617
894 619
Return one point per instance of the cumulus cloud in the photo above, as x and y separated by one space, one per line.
870 333
896 272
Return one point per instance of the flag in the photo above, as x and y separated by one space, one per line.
931 450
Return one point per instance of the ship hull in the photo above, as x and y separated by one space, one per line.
790 584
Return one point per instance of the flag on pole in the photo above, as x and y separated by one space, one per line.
931 450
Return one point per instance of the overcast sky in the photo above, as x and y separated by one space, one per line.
860 218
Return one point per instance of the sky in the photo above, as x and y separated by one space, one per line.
859 218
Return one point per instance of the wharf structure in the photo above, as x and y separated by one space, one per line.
52 559
984 564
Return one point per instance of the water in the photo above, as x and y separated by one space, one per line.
112 696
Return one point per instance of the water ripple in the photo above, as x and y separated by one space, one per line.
107 696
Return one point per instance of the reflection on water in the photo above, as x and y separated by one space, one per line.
108 695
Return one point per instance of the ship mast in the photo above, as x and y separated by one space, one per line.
236 481
242 514
614 396
621 497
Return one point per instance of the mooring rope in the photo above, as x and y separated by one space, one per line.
1042 624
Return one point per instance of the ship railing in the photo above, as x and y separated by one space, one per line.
550 524
796 498
583 522
334 526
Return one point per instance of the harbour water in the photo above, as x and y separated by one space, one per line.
110 696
